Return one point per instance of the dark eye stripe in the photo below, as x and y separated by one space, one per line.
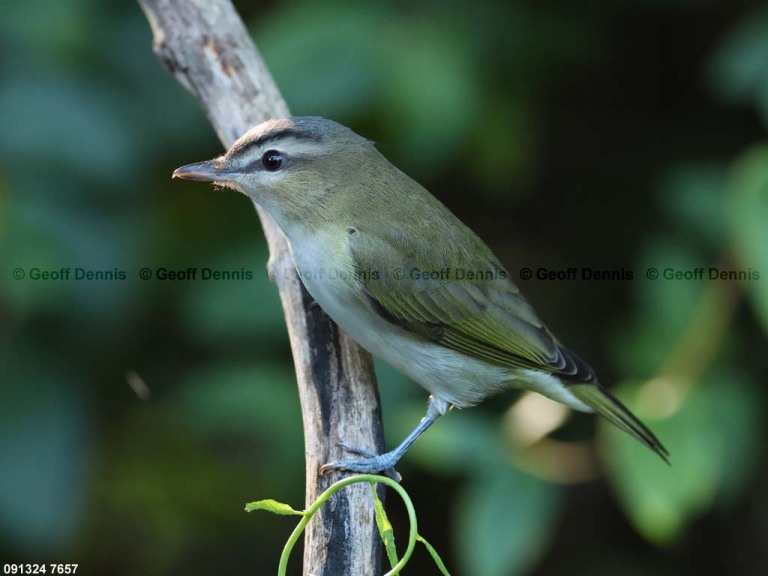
299 135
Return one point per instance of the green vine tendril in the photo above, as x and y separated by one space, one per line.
372 479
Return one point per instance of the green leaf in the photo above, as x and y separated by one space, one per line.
323 58
246 402
434 79
748 222
42 114
242 398
693 194
712 442
385 528
739 403
273 506
739 68
505 519
435 556
664 307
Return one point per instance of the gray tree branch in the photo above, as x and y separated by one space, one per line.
207 48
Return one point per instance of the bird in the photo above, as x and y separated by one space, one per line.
403 277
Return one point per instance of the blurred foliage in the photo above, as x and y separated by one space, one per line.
601 134
747 209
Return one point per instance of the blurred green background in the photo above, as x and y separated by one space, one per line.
606 135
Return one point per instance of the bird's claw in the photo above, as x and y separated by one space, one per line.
370 463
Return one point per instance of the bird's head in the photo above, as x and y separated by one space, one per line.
296 168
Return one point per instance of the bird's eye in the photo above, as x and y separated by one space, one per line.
272 160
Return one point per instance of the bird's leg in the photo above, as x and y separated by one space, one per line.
371 463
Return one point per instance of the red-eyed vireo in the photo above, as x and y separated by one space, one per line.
403 276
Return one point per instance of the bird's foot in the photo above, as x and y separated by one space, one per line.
369 463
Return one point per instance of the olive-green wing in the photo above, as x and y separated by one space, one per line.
461 301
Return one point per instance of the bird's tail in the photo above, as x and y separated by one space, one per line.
613 410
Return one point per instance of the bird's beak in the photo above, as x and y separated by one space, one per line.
208 171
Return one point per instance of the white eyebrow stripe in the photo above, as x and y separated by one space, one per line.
294 147
288 146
